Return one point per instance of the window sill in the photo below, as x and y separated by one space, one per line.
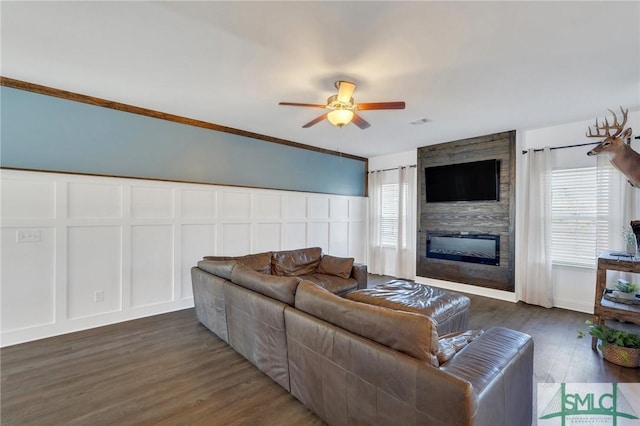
570 265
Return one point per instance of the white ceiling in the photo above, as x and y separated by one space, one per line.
471 68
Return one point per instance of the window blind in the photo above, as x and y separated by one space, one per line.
389 217
390 214
580 209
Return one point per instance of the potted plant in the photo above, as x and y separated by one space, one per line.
619 347
630 240
626 290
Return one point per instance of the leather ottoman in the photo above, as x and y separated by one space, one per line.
450 310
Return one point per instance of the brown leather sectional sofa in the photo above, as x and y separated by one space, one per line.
356 363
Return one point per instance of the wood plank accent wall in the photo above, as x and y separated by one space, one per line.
490 217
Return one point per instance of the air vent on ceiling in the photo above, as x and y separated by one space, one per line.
419 121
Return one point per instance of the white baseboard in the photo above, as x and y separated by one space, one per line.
572 305
471 289
568 304
23 335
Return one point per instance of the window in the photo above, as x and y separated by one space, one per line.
389 214
580 209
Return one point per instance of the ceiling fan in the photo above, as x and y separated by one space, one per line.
343 108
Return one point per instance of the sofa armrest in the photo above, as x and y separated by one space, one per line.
359 273
499 366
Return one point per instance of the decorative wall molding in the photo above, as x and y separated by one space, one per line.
101 250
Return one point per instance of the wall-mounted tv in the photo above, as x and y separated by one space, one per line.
474 181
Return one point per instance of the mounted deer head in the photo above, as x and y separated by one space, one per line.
620 153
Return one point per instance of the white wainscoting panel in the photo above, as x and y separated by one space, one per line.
296 207
197 241
295 236
91 201
265 235
151 202
30 265
358 208
151 264
339 208
339 239
318 207
318 235
267 206
236 205
358 240
198 204
111 249
235 239
28 199
93 265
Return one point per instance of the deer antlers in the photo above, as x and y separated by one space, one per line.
618 127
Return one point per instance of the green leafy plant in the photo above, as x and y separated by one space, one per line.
627 287
628 235
611 336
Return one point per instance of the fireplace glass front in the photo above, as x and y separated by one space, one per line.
464 247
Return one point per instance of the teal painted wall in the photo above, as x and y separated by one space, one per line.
51 134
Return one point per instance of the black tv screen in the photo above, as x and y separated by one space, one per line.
475 181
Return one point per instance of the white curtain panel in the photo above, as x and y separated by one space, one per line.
406 245
537 288
396 258
375 263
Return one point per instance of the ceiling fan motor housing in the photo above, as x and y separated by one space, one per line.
334 103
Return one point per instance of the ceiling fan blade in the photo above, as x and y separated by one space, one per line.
379 105
345 91
302 105
315 121
359 121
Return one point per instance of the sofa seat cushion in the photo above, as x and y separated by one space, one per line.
259 262
296 262
412 334
279 288
335 285
440 305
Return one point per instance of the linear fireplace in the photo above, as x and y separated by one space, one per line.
464 247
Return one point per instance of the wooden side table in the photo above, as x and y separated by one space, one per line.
603 308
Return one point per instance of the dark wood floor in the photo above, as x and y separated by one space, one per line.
170 370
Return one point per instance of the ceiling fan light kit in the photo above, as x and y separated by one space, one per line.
340 117
343 107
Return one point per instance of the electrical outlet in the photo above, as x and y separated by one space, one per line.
98 296
27 235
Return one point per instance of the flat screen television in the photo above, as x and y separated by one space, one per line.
474 181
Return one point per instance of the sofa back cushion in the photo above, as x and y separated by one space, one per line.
220 268
259 262
338 266
407 332
279 288
296 262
